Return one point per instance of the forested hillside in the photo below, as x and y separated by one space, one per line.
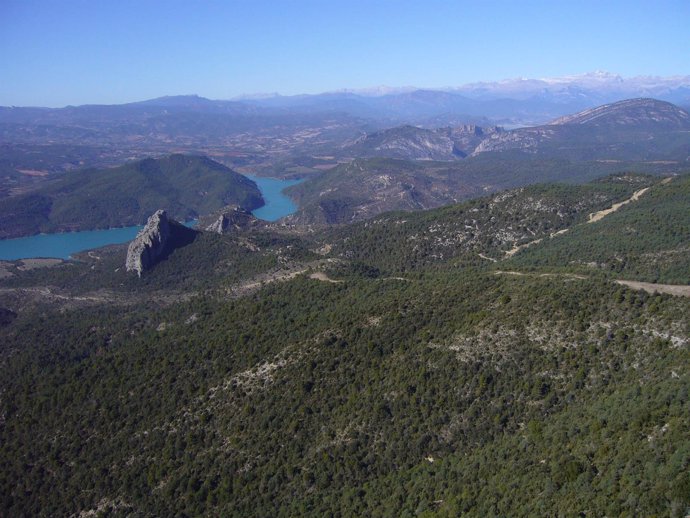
365 188
88 199
421 364
647 240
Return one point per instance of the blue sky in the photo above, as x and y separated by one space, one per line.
54 53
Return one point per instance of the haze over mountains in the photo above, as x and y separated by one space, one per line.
296 135
410 168
511 98
473 299
512 102
432 333
357 167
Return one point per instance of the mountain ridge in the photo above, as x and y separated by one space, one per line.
564 90
631 111
87 199
424 381
643 135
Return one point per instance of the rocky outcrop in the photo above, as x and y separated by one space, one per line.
151 243
227 219
413 143
466 138
524 139
405 142
219 225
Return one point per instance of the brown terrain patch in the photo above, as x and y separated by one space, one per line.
670 289
596 216
321 276
32 172
32 264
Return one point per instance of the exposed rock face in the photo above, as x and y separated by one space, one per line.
467 137
218 225
228 218
608 132
405 142
524 139
150 244
413 143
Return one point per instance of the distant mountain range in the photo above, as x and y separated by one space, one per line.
634 129
632 112
622 131
357 170
596 86
411 168
513 101
602 82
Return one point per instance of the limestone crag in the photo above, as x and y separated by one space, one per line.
150 244
227 219
218 225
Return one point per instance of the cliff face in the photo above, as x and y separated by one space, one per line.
150 244
227 219
405 142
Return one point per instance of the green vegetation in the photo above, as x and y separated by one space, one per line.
210 262
457 234
313 398
647 240
185 186
365 188
428 382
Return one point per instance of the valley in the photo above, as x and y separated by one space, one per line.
64 245
462 321
344 259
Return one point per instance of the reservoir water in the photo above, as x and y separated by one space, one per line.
63 245
278 204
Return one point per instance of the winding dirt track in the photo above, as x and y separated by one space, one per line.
593 217
679 290
596 216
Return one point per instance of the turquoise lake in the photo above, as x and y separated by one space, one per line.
278 205
63 245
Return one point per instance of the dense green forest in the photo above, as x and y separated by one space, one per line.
364 188
490 226
426 380
647 240
127 195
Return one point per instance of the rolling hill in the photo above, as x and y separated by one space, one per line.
423 371
414 143
646 240
186 186
634 129
638 135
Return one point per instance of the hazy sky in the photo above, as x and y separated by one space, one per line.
54 53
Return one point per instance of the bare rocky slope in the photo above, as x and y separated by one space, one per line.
639 129
632 112
159 237
415 143
642 135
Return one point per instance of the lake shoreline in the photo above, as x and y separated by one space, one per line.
63 245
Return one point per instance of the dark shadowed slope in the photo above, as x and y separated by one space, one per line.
185 186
